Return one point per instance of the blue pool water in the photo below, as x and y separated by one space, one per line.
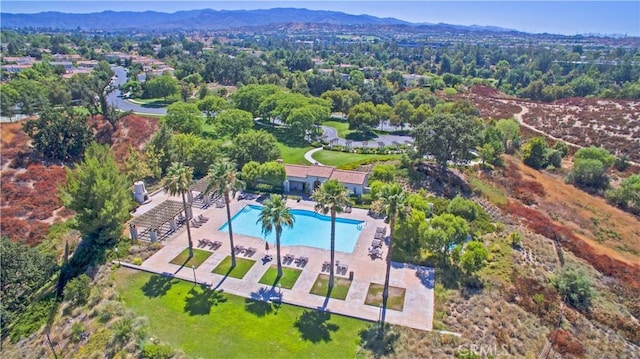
309 229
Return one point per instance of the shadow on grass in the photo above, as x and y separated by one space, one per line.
201 299
265 301
157 286
314 326
379 343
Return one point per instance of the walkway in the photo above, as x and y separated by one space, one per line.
309 156
418 281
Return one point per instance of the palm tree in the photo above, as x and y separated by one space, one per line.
178 180
274 215
393 201
331 198
224 182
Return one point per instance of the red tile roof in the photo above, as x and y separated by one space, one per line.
326 172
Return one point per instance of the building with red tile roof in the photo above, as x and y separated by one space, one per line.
307 178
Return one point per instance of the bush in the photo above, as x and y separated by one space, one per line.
575 286
77 290
137 261
77 332
157 351
464 208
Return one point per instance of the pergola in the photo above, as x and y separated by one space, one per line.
201 187
155 218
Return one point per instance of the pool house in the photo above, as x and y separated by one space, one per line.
307 178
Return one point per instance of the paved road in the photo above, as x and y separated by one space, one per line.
116 100
330 133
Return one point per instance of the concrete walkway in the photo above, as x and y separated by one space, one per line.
309 156
417 281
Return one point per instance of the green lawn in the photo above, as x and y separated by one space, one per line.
341 127
289 276
199 256
211 324
293 155
396 296
351 160
242 267
340 287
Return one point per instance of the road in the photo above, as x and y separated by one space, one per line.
116 100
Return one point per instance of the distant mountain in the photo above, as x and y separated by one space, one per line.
206 19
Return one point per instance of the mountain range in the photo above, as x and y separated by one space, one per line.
205 19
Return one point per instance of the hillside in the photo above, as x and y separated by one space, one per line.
206 19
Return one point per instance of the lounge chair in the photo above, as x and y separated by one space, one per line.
202 218
239 249
216 244
378 235
195 224
250 251
325 266
376 243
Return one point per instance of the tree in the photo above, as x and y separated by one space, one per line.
8 100
233 122
212 105
534 152
224 182
443 233
178 180
161 143
31 95
24 271
448 138
464 208
100 196
595 153
251 173
59 134
274 215
100 86
273 173
627 195
393 201
588 173
135 166
250 97
161 86
474 257
510 131
184 117
331 198
575 286
362 117
77 290
259 146
562 147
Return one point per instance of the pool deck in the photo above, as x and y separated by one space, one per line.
418 281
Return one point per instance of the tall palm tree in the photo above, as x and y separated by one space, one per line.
393 201
224 182
178 180
331 198
274 215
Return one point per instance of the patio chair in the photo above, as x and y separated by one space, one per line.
250 251
304 261
380 229
195 224
216 244
378 235
239 249
203 218
345 268
325 266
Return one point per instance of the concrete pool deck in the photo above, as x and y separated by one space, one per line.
418 281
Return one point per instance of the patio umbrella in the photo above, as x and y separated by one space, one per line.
266 246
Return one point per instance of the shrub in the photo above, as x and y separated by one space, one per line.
575 286
137 261
515 239
77 290
77 332
464 208
157 351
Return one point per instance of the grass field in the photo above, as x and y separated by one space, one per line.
199 256
242 267
210 324
293 155
345 159
340 287
396 296
288 280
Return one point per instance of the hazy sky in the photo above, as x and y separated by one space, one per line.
563 17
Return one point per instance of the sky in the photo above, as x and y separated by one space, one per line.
560 17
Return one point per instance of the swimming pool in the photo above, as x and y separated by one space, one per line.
309 229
